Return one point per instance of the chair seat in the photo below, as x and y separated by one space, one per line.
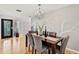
44 47
38 45
61 48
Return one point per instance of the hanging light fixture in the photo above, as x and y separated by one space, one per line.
39 13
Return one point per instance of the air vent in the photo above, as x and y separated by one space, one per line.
18 10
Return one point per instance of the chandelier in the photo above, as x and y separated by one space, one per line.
39 13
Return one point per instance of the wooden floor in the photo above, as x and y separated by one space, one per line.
14 46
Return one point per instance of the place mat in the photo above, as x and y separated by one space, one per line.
52 39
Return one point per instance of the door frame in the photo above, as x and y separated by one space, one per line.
2 28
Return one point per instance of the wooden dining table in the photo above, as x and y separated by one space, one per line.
51 42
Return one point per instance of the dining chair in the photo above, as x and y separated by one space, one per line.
36 32
60 49
30 42
38 46
52 34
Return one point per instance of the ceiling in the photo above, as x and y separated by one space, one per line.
28 9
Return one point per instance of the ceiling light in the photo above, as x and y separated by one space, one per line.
39 13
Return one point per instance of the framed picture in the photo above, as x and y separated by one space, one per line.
6 28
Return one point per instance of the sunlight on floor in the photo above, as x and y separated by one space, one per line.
13 45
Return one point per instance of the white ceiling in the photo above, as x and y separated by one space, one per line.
28 9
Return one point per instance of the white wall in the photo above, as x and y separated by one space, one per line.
64 20
23 22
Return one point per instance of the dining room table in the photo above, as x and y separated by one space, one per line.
51 42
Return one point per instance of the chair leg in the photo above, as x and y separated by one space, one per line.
49 50
29 48
32 50
35 51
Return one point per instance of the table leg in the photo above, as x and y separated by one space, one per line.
53 47
49 51
26 41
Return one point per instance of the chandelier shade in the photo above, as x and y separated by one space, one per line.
39 14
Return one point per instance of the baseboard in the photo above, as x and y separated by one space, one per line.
70 51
